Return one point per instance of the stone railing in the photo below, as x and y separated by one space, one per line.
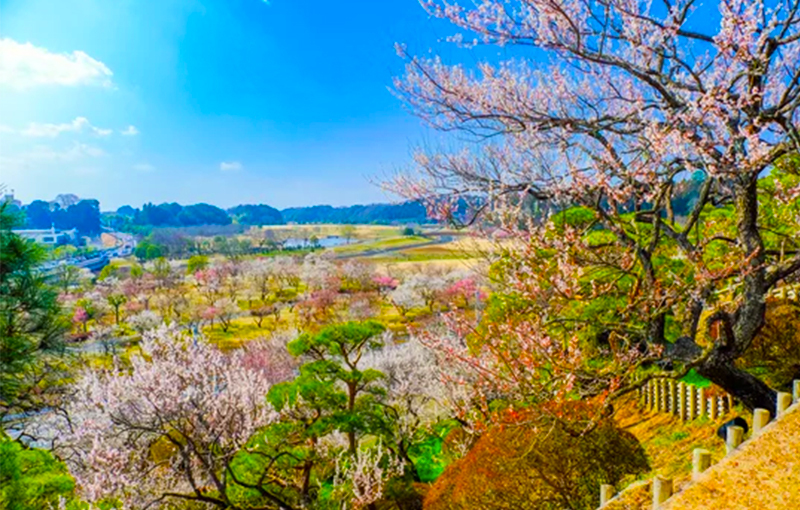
684 400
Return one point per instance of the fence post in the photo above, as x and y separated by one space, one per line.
606 493
724 406
652 387
682 401
701 461
658 395
760 420
673 397
692 402
701 402
664 400
784 401
662 490
712 408
735 436
796 390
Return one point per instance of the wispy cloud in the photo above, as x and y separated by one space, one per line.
78 125
130 131
76 152
24 66
230 166
144 167
45 156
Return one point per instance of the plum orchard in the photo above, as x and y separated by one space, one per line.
182 421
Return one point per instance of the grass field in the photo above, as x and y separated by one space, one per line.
362 232
381 243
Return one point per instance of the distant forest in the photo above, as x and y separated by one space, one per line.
176 215
68 211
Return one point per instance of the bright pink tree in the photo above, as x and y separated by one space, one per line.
385 283
612 106
81 316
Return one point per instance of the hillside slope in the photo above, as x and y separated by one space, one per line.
763 474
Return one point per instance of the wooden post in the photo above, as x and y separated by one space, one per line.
796 391
663 400
659 396
682 401
692 402
712 408
735 436
662 490
729 398
652 387
784 401
701 402
673 397
606 493
760 420
701 461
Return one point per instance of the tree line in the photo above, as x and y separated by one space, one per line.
176 215
82 215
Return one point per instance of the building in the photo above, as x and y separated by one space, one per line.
10 199
49 237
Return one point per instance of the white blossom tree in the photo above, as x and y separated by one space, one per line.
167 428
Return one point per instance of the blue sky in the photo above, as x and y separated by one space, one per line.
222 101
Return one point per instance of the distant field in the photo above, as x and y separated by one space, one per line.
380 244
361 231
391 266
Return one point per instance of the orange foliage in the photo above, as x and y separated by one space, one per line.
539 464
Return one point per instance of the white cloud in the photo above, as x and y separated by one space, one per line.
74 153
130 131
25 66
43 157
230 166
53 130
144 167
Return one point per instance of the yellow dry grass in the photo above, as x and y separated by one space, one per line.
324 230
394 267
669 444
764 474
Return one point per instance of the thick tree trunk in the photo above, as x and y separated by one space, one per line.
749 389
743 326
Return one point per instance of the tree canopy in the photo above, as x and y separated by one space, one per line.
31 325
602 114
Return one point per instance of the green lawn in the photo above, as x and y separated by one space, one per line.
380 244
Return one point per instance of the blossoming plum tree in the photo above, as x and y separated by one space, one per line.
590 130
169 427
